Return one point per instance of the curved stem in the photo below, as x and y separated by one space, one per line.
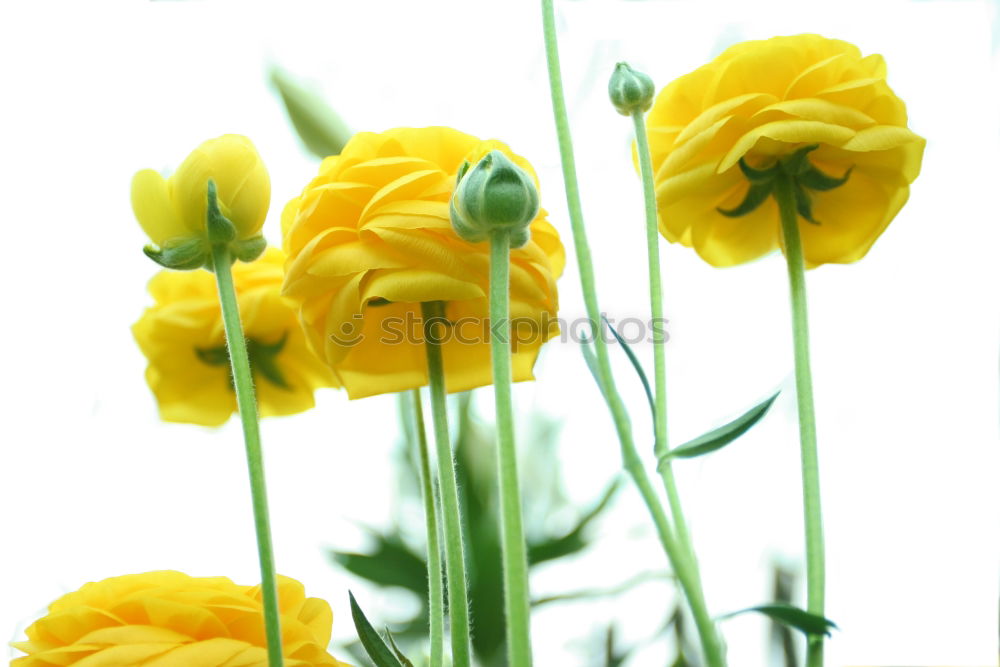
710 639
515 554
247 404
815 559
435 583
454 551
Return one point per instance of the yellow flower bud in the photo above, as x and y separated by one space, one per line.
170 618
173 211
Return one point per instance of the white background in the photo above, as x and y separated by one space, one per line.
904 343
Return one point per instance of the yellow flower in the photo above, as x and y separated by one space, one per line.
761 100
183 338
370 238
172 210
169 619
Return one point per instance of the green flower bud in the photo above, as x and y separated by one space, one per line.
630 91
495 194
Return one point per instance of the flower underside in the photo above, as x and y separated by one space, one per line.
263 360
803 175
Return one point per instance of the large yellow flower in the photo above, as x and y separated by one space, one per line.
169 619
183 338
761 100
173 210
370 238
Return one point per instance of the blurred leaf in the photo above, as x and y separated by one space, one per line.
612 656
603 592
390 564
573 541
722 436
377 650
636 365
811 624
318 126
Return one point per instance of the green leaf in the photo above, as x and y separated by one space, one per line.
721 436
573 541
390 564
318 126
591 359
637 366
810 624
395 649
374 645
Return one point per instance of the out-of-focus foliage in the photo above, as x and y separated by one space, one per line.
319 127
394 562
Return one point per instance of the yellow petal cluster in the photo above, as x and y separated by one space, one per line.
169 619
370 238
172 210
183 338
763 99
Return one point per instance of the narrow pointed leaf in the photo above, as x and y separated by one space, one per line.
637 366
798 162
591 359
814 179
318 126
374 645
756 195
722 436
810 624
395 649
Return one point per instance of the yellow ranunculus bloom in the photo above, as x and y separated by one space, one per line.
169 619
764 99
370 238
173 209
183 338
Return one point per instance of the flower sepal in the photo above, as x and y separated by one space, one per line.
799 169
494 195
185 255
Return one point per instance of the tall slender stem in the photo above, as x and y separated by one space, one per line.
454 551
659 349
707 631
815 558
247 404
435 583
515 553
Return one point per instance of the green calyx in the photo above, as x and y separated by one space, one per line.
495 194
263 359
804 177
189 253
630 91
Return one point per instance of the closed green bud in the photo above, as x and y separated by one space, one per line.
494 194
630 91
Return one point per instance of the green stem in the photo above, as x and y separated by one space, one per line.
247 404
659 352
515 554
710 639
815 560
454 552
435 583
